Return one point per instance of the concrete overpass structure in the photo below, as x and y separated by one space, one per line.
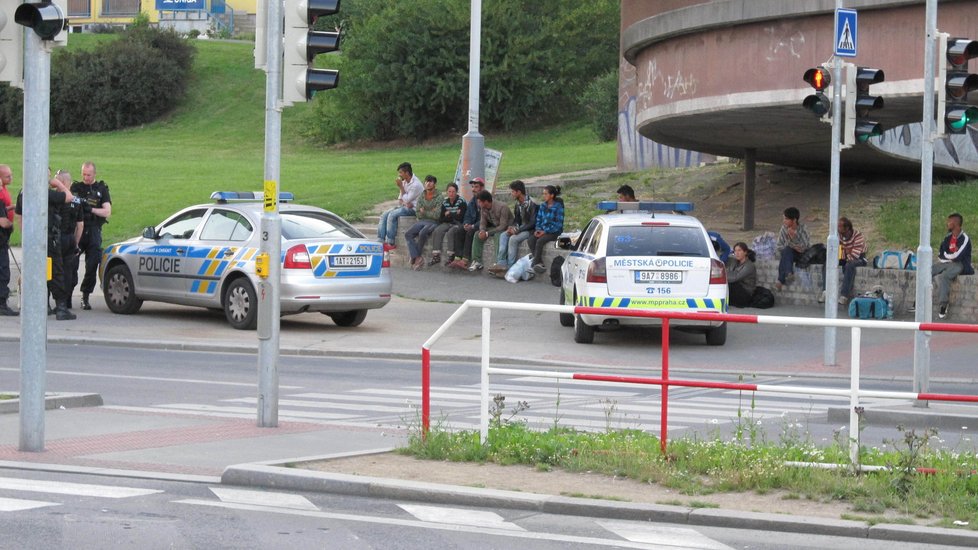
724 77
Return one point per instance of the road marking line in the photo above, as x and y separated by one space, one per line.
77 489
264 498
459 516
678 537
16 504
422 525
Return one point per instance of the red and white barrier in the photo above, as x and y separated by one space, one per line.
853 392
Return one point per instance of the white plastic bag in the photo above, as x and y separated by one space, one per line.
521 270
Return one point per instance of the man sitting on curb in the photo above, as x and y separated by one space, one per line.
953 259
470 224
495 218
524 222
852 254
409 189
793 241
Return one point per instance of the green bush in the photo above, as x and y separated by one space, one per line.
120 83
406 66
600 103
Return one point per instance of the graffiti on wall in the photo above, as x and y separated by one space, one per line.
636 152
781 45
958 152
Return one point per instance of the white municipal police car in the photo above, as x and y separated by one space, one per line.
204 256
646 256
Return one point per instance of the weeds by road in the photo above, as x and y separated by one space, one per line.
917 483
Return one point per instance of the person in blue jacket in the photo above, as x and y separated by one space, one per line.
720 245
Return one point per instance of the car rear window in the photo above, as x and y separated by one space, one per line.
648 240
314 225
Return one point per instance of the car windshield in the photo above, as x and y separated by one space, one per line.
312 225
644 240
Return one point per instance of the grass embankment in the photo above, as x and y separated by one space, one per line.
748 461
216 141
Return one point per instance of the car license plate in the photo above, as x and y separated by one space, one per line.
659 277
348 261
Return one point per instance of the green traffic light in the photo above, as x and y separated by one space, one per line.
958 118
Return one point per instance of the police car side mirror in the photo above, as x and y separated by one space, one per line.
150 233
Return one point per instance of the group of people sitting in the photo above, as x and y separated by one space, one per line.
794 244
459 230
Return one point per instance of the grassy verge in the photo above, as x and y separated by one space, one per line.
947 199
747 461
216 141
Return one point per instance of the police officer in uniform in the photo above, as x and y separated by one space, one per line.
72 226
97 206
58 197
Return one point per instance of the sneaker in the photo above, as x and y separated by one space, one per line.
498 268
942 312
460 263
389 247
843 300
821 297
476 266
450 259
417 264
912 308
539 268
435 259
778 286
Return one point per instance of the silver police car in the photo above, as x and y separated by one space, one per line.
204 255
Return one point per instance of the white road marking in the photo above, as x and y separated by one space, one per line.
251 411
77 489
677 537
154 378
16 505
459 516
421 524
263 498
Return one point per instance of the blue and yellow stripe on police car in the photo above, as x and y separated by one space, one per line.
655 303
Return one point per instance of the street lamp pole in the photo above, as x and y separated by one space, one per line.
473 144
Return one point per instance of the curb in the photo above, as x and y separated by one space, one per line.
271 476
56 401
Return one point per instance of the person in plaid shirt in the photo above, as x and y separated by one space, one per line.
550 224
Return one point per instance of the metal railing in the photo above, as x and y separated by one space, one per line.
853 392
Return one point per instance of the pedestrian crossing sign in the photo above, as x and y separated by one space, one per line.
845 33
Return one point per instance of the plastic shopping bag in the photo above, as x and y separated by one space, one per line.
521 270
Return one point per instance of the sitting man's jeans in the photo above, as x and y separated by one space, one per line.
787 263
848 275
387 228
509 246
944 273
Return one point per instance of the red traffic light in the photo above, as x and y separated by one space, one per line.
818 78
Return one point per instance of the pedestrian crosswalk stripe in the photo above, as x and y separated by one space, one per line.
263 498
77 489
671 537
459 516
16 505
251 411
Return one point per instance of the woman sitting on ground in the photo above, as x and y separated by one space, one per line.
741 276
549 226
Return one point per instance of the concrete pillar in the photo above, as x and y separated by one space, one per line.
750 180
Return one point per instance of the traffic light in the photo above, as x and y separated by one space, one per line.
300 81
11 45
46 18
954 114
818 102
859 103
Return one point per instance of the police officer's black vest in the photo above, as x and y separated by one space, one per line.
92 195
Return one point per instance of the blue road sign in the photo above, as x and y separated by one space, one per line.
845 33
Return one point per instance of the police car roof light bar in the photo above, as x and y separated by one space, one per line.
224 197
645 206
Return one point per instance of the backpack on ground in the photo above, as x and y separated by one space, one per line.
762 298
895 259
868 307
555 276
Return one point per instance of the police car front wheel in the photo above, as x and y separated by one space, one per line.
120 292
241 304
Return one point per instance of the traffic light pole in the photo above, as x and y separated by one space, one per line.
925 286
269 307
832 242
34 294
